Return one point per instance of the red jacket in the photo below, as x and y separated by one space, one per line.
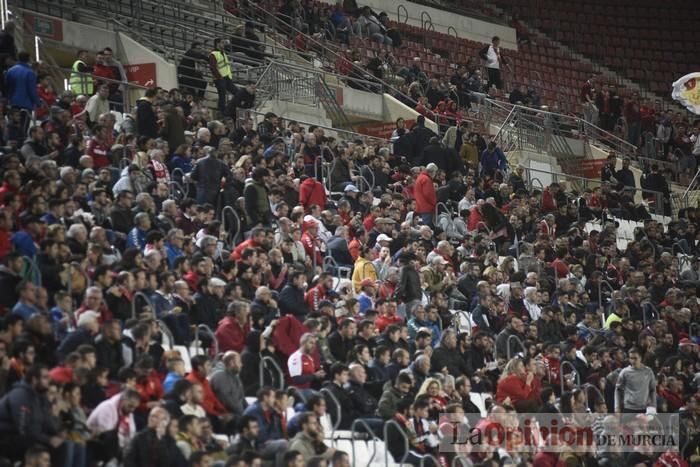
314 296
150 390
211 405
231 335
311 192
61 374
286 335
548 201
513 386
99 153
238 251
426 199
474 219
383 321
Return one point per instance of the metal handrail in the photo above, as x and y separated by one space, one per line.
338 411
564 364
519 341
263 366
165 330
238 223
386 438
33 269
428 456
447 209
148 301
600 296
586 386
207 331
648 302
458 314
359 421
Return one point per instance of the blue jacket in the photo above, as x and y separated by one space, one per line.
136 239
21 86
268 430
491 161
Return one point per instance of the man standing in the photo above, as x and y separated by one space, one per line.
221 70
635 390
20 82
426 198
492 56
80 80
189 77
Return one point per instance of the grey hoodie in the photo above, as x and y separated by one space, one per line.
635 389
228 388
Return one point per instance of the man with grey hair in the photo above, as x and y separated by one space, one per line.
137 235
533 309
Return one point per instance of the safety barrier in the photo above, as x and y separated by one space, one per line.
327 394
567 364
361 422
264 361
397 427
147 299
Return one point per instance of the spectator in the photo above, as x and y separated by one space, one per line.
221 71
226 383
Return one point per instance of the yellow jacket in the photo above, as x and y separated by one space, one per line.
364 269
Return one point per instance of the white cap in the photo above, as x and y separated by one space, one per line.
87 316
352 188
383 238
216 282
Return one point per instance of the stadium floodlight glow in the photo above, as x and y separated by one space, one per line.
36 47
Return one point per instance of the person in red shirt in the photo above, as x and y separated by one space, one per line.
233 329
311 192
388 316
97 147
318 293
426 198
201 365
256 240
64 373
47 97
517 384
148 386
303 369
309 239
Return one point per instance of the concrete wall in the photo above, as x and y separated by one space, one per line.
394 109
467 28
131 52
302 113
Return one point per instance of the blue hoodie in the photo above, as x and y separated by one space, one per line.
21 86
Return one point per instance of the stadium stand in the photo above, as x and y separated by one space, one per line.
190 279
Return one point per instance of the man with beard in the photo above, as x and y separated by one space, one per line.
25 417
226 383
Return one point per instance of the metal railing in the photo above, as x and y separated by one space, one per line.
327 394
264 362
570 365
32 271
145 298
165 331
207 331
361 422
406 450
519 341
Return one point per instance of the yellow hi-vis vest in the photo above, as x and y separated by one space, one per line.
80 83
222 64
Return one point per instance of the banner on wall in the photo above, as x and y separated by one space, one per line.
50 28
687 91
382 130
143 74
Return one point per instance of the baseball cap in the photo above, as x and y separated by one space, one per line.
383 238
352 188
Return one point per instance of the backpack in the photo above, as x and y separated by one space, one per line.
484 52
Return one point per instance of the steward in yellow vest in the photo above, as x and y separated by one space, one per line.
221 71
80 81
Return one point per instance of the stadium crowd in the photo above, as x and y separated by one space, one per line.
118 255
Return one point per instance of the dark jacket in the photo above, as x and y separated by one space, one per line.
409 287
109 355
364 404
146 118
291 302
444 357
347 409
146 450
26 413
340 347
228 389
207 174
270 428
72 341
